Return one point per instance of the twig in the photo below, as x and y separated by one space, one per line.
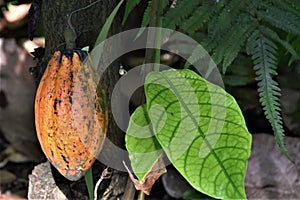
105 175
141 196
129 190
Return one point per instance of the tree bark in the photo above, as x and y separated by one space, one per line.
87 23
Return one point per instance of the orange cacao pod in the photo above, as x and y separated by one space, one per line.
70 116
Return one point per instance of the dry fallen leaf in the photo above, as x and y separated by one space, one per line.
146 184
10 154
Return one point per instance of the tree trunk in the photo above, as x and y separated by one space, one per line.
87 24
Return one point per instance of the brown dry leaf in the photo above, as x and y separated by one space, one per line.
146 184
10 154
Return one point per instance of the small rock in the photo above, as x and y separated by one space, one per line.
42 184
270 174
290 99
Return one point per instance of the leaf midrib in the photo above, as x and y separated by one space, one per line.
199 130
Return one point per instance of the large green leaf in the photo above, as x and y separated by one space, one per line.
200 128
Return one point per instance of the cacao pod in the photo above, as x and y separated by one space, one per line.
70 115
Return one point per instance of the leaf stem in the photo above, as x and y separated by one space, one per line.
141 196
154 35
152 56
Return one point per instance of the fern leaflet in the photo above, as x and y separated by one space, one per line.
225 17
199 17
288 5
175 16
272 34
130 5
236 42
146 17
263 53
286 21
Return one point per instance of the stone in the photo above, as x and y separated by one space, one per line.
270 175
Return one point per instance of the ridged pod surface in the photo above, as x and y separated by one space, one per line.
70 116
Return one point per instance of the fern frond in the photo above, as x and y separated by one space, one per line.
201 16
231 43
176 15
196 21
146 17
226 47
206 43
236 41
130 5
295 42
198 53
225 17
287 21
292 6
263 53
274 36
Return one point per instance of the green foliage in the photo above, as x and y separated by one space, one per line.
130 5
240 72
147 13
173 17
141 143
98 46
294 40
263 52
285 17
226 29
198 126
104 31
89 183
230 25
233 41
